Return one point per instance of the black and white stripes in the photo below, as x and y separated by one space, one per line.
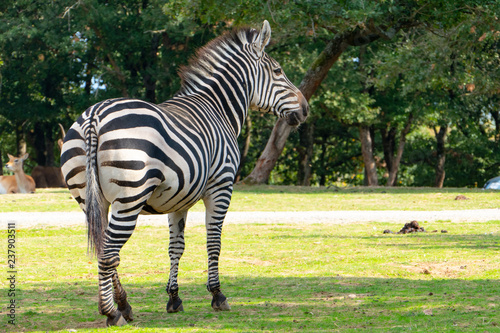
141 158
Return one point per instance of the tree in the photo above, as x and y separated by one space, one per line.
423 65
310 83
61 57
444 67
397 16
398 114
39 62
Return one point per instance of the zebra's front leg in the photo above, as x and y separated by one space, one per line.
215 214
176 223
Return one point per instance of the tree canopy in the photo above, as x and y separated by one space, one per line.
401 92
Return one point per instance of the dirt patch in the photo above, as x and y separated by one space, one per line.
101 323
446 269
251 261
146 273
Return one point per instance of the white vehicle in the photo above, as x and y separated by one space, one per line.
492 184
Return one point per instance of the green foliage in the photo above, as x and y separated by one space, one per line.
436 60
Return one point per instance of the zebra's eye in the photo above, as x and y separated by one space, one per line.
278 71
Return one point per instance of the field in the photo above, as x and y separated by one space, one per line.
293 198
281 277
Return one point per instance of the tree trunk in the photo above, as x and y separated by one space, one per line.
323 162
393 172
149 60
305 151
310 83
37 140
114 70
441 155
21 146
43 143
267 160
49 150
496 117
388 143
246 147
371 178
20 140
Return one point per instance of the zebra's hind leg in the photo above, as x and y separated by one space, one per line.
120 297
107 269
176 223
110 289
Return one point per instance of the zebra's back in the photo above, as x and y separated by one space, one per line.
157 158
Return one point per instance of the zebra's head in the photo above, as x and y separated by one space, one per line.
273 92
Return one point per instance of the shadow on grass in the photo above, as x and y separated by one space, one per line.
303 294
274 304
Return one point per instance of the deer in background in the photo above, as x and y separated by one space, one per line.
20 182
50 176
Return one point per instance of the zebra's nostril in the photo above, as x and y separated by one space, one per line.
305 108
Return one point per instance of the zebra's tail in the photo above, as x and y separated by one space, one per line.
95 206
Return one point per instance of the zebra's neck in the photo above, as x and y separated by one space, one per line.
226 90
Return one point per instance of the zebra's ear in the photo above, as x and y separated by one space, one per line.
263 38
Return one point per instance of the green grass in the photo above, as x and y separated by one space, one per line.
278 278
294 198
43 200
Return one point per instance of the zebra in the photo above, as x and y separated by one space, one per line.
142 158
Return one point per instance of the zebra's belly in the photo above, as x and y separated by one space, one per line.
164 189
168 198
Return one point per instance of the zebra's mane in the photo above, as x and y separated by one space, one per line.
200 65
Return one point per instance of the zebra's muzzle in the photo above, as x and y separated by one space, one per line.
294 118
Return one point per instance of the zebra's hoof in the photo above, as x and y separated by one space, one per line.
174 305
127 313
171 309
224 306
220 303
116 321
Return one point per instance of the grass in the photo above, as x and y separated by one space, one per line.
279 278
294 198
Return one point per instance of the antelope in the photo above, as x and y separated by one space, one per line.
20 182
49 176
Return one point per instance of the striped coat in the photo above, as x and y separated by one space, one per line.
140 158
